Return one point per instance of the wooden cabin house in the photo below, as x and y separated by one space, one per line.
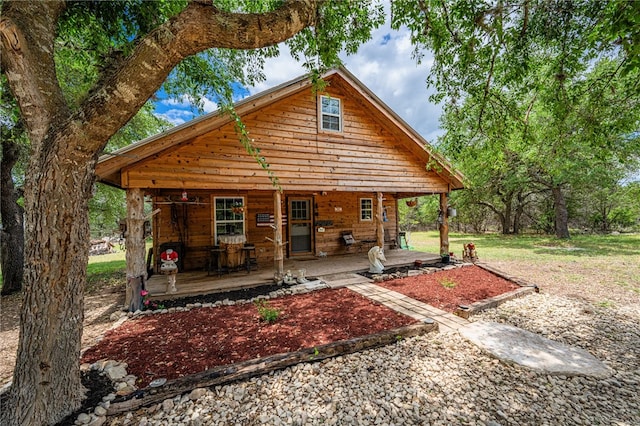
342 160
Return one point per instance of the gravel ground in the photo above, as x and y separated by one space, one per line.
439 379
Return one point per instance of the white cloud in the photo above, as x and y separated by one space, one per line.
176 116
385 65
209 105
278 70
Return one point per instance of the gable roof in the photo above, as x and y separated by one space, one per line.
110 165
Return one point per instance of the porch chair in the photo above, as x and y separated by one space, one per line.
388 241
402 236
214 262
250 257
349 241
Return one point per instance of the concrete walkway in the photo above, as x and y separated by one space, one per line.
414 308
505 342
420 311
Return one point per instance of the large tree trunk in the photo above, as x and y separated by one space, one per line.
46 382
519 212
505 218
56 254
12 233
562 215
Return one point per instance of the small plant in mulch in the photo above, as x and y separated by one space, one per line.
266 311
149 304
447 282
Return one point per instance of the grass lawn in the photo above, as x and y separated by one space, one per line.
608 259
107 270
535 248
601 268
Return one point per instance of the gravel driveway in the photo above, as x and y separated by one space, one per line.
439 379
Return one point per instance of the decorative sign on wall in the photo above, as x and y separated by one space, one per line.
263 219
324 223
266 219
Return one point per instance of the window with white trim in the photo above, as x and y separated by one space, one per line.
229 216
330 114
366 209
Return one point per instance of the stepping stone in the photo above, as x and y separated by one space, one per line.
310 285
514 345
343 280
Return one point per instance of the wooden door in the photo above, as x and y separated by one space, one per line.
300 226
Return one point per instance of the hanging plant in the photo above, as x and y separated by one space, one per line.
237 208
412 203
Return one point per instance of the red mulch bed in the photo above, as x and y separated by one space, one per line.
183 343
470 284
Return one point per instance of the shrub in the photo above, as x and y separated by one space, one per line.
266 312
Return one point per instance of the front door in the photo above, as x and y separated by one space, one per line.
300 226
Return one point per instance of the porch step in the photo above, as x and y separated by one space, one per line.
343 280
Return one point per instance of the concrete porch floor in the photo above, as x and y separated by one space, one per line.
195 283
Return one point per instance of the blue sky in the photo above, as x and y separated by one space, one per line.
384 65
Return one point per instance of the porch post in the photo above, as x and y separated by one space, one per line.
380 222
444 226
278 255
134 243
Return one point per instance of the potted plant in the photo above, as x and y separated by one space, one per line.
445 257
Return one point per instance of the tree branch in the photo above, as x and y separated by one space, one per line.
27 31
198 27
492 208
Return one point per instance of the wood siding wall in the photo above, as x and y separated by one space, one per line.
192 222
366 156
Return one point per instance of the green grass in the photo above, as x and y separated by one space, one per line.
534 247
447 282
107 270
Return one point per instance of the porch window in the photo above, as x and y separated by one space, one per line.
330 114
366 209
229 216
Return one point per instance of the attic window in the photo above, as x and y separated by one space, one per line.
330 114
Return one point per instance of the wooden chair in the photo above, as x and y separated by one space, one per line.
349 241
388 241
250 257
214 262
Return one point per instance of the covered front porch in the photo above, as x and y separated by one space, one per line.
199 282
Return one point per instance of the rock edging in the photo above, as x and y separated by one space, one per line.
525 289
259 366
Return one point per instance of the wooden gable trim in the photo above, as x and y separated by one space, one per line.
110 164
420 146
114 168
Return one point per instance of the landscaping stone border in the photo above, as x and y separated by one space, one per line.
229 373
525 289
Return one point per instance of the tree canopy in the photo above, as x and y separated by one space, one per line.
116 55
539 94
